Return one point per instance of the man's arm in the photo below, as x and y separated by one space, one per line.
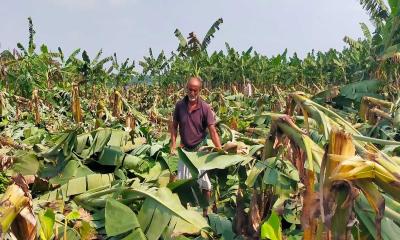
214 136
211 121
174 133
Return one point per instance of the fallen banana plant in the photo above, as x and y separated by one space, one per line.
341 175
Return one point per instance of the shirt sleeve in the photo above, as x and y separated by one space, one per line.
210 116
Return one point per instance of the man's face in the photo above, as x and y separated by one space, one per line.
193 90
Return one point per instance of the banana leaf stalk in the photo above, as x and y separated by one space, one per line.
16 215
35 106
76 106
3 105
313 151
336 193
135 113
371 107
314 109
392 208
97 198
11 204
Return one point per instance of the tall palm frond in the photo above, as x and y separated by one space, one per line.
351 42
22 48
61 54
194 42
210 34
366 32
97 58
31 46
182 40
377 9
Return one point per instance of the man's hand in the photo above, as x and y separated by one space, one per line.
173 131
173 151
219 150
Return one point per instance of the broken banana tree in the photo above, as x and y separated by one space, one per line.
306 156
288 144
117 104
337 197
16 214
372 109
343 172
35 106
76 106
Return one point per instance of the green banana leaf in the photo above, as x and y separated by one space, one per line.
167 203
222 226
389 229
72 169
197 161
353 93
25 163
120 219
78 185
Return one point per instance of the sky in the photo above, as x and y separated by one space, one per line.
131 27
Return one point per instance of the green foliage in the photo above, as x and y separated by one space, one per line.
47 220
222 226
271 229
121 219
376 8
4 182
351 94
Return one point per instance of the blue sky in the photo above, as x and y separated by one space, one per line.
130 27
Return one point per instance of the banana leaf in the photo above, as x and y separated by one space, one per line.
222 226
100 140
72 169
389 229
353 93
63 144
113 156
25 163
197 161
120 219
78 185
167 203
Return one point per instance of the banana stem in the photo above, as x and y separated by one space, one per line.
12 202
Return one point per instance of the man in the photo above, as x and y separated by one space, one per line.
194 116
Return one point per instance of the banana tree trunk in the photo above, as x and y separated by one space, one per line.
11 204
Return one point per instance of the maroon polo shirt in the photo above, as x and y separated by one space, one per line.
193 126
